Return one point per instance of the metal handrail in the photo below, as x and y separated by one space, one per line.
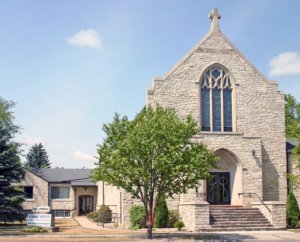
253 193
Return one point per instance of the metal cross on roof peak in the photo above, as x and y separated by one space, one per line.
214 16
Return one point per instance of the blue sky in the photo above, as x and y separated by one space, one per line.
70 65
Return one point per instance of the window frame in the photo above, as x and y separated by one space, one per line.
225 71
26 193
59 187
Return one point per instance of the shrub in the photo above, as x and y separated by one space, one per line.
137 217
34 229
162 214
93 216
179 225
292 211
173 218
105 214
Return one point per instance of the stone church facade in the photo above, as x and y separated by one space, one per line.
241 116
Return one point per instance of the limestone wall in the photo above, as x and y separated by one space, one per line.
61 204
112 197
90 191
40 191
275 212
258 107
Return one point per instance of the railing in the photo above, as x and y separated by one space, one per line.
256 195
108 218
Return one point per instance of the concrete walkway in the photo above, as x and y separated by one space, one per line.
85 223
165 235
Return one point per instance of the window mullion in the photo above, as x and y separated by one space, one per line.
211 104
222 110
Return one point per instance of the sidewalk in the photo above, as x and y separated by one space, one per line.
165 235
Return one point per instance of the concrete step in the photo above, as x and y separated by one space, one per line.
230 218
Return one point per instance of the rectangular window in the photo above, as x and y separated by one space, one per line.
205 109
60 192
28 190
61 213
216 96
227 110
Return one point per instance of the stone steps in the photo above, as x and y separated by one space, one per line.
231 218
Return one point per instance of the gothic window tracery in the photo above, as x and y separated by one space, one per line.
216 100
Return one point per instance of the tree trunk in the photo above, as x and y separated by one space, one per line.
149 226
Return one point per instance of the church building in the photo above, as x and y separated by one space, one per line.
241 116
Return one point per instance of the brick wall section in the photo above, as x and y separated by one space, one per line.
275 212
58 204
90 191
40 191
195 215
259 108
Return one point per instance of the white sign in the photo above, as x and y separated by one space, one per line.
44 209
42 220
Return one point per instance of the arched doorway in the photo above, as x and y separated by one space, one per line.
227 180
86 204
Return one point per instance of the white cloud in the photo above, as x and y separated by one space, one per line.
287 63
88 37
81 156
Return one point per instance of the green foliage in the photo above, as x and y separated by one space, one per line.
179 225
292 211
162 213
173 218
93 216
292 117
105 214
153 154
34 229
11 170
37 157
137 217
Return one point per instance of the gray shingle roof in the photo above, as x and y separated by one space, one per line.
75 176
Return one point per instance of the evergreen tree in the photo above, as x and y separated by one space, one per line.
292 211
37 157
162 213
11 170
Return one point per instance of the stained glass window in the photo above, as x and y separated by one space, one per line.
216 100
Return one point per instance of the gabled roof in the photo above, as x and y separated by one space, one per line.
214 31
75 176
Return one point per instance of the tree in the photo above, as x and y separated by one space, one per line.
11 170
37 157
292 211
292 130
153 155
292 117
162 213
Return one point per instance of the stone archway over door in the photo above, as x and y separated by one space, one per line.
228 180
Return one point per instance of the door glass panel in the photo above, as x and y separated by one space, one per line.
218 188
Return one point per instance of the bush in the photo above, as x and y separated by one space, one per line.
34 229
179 225
105 214
93 216
292 211
162 214
137 217
173 218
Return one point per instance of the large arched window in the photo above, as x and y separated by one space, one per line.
216 100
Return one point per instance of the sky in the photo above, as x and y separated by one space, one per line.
70 65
